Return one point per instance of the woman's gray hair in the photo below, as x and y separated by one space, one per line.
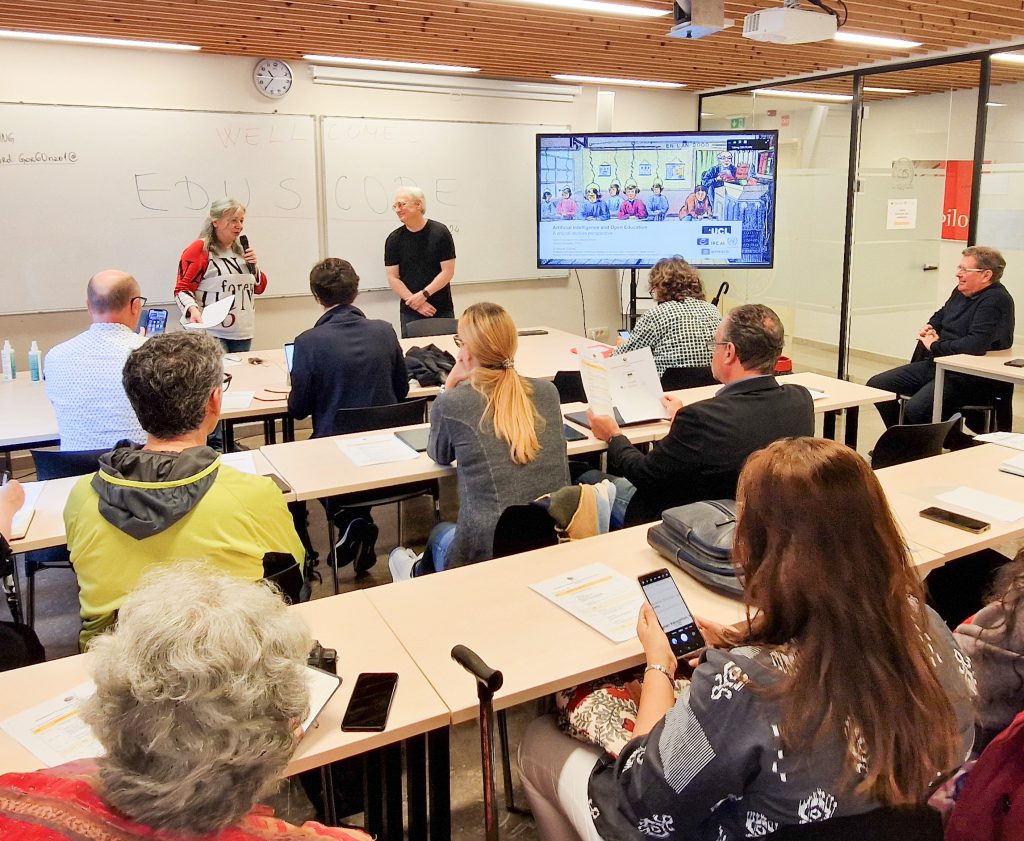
219 208
199 689
414 193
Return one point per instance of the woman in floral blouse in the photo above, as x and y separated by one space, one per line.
840 693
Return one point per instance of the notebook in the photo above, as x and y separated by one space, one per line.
23 517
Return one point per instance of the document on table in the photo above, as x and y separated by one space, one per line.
23 516
322 685
1013 440
240 461
988 505
817 393
367 450
628 382
235 400
54 731
606 600
211 315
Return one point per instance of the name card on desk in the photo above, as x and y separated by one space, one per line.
988 505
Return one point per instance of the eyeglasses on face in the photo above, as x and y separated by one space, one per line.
967 270
713 343
142 301
458 341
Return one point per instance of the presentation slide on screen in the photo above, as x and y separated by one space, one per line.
627 200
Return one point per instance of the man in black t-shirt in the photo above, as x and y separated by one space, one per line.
420 260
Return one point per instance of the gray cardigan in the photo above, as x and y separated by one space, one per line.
489 481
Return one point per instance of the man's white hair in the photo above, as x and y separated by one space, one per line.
414 193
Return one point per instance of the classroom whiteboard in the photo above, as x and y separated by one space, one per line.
479 180
87 188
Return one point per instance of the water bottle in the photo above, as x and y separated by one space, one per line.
35 363
7 361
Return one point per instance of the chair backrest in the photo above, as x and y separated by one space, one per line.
522 528
405 413
910 442
57 464
431 327
890 823
569 385
691 377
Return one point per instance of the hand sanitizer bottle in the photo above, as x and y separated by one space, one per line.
7 360
35 363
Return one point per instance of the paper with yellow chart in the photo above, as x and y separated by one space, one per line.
606 600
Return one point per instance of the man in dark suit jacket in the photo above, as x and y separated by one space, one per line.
346 361
704 451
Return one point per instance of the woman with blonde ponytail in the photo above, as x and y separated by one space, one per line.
504 430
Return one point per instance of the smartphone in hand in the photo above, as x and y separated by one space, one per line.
674 616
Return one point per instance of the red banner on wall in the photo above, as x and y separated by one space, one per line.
956 204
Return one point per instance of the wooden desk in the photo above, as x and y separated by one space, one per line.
28 418
913 486
537 646
991 366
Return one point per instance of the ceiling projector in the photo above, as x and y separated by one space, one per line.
789 26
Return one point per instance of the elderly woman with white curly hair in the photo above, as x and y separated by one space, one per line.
199 694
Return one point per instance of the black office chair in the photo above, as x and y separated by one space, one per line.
364 420
689 377
890 823
900 444
570 387
431 327
54 464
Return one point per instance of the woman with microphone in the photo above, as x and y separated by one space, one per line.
218 264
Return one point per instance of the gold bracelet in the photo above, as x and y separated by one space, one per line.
658 668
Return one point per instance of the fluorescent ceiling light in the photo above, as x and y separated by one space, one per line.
88 39
888 90
874 40
1013 58
828 97
398 65
598 7
605 80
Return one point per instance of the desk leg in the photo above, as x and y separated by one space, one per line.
327 786
829 424
270 430
940 382
392 760
852 421
287 429
416 786
229 436
439 771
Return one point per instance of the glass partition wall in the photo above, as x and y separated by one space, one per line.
805 284
863 260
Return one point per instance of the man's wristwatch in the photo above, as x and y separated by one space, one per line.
426 294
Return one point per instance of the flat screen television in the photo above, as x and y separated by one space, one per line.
625 200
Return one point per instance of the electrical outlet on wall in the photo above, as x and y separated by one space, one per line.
596 333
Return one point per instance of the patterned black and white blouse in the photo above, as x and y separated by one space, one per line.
714 768
677 332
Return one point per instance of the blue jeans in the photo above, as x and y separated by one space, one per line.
236 345
624 490
441 537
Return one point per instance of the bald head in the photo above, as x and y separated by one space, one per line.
113 296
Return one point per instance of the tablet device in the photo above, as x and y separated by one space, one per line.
415 438
572 434
581 419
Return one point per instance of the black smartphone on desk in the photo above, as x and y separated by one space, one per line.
674 616
1015 363
370 703
957 521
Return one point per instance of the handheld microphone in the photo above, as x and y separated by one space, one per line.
244 240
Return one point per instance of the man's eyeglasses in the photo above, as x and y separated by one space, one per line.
142 301
713 343
965 270
458 342
226 382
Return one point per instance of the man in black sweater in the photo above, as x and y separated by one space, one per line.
977 318
704 451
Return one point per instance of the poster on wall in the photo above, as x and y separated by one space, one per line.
901 215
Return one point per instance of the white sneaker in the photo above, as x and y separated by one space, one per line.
401 562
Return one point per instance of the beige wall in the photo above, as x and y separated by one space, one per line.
144 79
